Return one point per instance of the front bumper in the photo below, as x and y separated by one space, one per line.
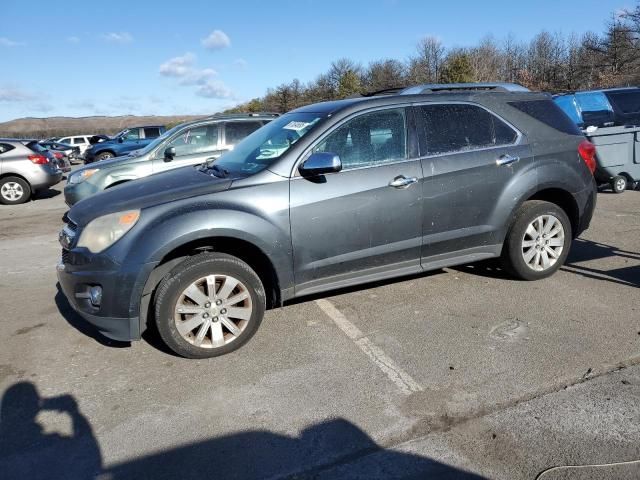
117 316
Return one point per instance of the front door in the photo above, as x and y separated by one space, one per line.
363 222
193 145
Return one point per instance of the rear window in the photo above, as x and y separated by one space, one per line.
547 112
151 132
626 102
35 147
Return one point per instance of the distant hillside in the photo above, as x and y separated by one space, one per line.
60 126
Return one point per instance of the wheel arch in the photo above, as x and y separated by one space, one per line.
563 199
21 177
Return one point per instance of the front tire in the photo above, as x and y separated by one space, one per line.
104 156
14 190
538 241
209 305
619 183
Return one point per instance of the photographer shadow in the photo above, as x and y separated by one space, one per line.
28 451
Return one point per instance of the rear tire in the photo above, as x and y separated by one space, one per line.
619 183
209 305
14 190
538 241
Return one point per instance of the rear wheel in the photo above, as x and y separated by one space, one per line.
14 190
619 183
209 305
538 242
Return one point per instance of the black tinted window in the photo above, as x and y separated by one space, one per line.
5 147
236 131
627 102
460 127
369 139
151 132
78 141
547 112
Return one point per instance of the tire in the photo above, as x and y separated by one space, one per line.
205 314
619 183
104 156
14 190
524 254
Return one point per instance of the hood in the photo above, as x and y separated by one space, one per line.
98 138
154 190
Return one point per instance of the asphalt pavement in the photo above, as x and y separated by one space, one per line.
457 373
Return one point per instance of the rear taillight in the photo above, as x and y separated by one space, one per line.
587 151
39 159
58 155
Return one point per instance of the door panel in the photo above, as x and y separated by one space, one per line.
353 223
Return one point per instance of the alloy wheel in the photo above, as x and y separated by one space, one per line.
543 242
12 191
213 311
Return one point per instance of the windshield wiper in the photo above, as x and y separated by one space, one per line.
216 170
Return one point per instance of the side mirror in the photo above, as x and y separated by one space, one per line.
120 139
169 154
320 163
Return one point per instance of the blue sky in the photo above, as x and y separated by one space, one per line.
81 58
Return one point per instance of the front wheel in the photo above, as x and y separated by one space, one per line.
209 305
104 156
619 183
538 241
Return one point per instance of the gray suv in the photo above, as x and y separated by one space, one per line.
186 144
25 167
327 196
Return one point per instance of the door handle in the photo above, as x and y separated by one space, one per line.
402 182
506 160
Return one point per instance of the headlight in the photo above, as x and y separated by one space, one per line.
104 231
82 175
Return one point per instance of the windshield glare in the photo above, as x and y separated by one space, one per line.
260 149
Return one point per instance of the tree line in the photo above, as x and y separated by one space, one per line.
549 62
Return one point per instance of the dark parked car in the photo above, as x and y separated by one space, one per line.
327 196
129 139
62 152
25 168
186 144
611 121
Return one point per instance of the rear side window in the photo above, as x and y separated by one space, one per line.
547 112
151 132
627 101
461 127
78 141
5 147
236 131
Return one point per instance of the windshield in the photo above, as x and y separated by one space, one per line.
260 149
157 141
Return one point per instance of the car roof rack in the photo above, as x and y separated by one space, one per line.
244 115
452 87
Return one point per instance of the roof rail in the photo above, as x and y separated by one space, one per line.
450 87
244 115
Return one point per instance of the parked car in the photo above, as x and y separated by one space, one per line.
327 196
186 144
69 151
25 167
129 139
62 161
80 141
611 121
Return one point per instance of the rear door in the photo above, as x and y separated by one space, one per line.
193 145
472 155
365 221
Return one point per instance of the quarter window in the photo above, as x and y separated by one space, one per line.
236 131
461 127
196 140
369 139
5 147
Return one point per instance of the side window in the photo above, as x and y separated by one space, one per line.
65 140
151 132
133 134
196 140
369 139
5 147
79 141
595 108
236 131
461 127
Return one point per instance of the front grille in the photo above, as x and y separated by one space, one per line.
65 256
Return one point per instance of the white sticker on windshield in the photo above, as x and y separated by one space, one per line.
296 125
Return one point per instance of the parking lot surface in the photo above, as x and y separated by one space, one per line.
459 373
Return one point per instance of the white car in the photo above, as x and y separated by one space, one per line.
81 141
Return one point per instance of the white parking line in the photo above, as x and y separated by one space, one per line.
399 377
